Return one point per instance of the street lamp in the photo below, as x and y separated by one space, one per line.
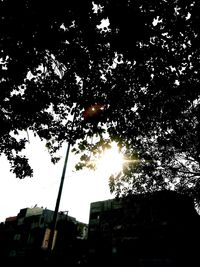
90 112
55 214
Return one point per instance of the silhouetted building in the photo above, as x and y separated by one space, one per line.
26 235
158 229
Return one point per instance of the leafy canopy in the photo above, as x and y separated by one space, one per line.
128 70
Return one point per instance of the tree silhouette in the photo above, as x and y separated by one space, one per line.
135 63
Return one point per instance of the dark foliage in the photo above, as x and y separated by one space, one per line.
140 72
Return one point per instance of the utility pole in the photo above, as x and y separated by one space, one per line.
55 215
90 112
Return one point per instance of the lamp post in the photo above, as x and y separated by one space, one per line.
90 112
55 214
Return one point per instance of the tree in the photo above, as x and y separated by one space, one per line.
134 63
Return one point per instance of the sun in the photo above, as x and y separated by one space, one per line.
110 161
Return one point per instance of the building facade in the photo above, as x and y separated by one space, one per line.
26 236
159 229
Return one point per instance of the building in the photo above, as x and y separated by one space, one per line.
158 229
26 235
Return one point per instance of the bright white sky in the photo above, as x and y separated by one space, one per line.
79 190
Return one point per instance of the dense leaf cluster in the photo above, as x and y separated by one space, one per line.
137 62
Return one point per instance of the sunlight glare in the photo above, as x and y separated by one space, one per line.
111 161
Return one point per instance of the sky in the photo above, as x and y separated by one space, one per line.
79 190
